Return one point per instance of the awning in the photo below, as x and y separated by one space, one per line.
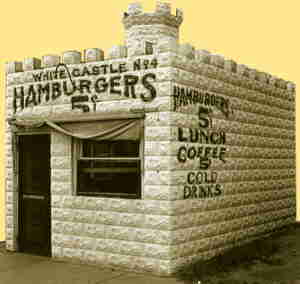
105 128
128 129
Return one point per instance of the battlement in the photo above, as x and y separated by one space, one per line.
232 67
68 57
180 56
162 15
162 40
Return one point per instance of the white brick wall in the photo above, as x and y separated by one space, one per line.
86 228
257 180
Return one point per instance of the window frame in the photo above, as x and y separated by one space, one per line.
146 47
77 151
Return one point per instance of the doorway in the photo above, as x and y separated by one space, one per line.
34 194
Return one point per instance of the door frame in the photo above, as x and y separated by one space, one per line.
16 166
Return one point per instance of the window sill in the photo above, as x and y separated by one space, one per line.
109 195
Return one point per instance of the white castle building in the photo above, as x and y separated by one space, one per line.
148 158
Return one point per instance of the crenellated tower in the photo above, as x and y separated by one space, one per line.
144 31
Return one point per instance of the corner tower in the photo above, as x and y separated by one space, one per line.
143 31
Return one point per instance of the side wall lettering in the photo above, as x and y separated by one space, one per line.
205 144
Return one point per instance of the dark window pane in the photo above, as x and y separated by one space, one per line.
86 148
149 48
92 149
125 149
98 149
109 178
101 149
34 163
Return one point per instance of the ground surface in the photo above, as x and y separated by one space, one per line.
282 267
18 268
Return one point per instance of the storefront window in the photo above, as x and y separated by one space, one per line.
148 48
109 168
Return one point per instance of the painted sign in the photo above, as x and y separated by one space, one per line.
207 144
46 89
201 185
183 96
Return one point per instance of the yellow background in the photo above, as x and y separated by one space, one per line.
263 34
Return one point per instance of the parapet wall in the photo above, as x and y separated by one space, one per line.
248 89
187 57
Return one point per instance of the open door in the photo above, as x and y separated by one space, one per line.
34 194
